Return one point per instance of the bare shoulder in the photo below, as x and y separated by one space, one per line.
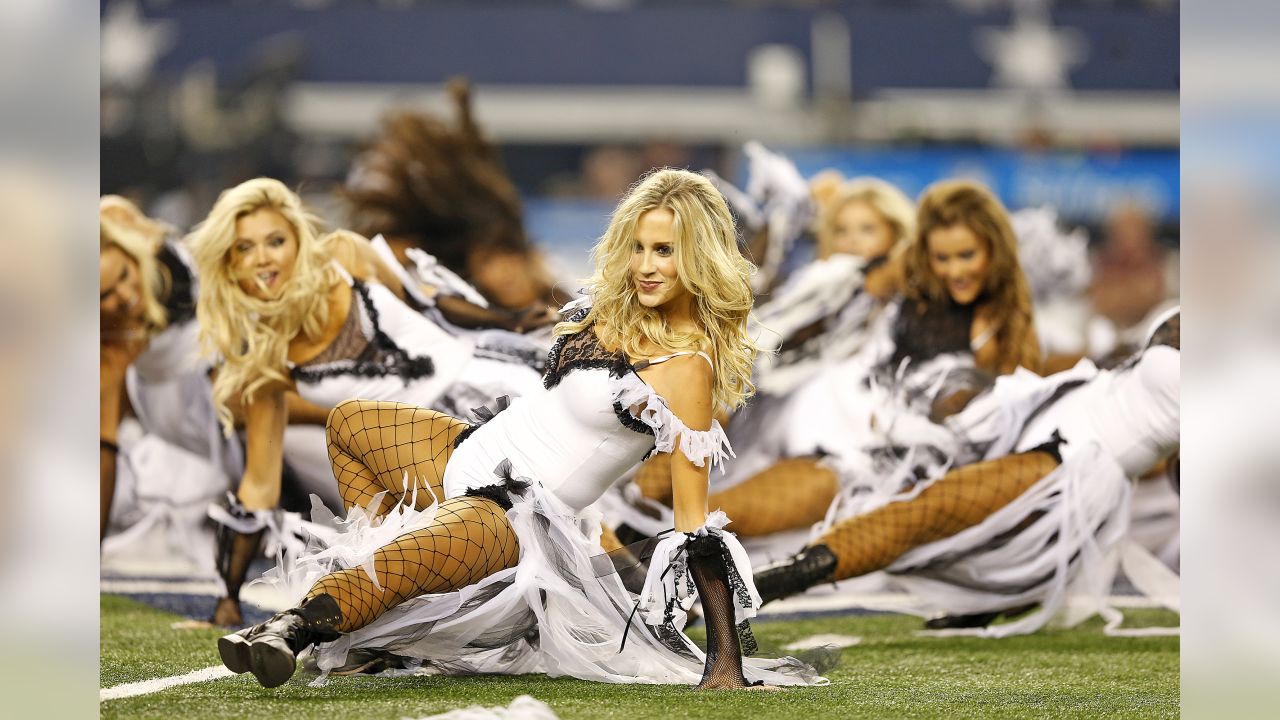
342 248
355 254
686 382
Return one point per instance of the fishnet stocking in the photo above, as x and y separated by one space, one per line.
723 668
654 478
469 540
961 499
609 541
790 494
373 445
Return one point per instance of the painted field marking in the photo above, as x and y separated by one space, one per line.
146 687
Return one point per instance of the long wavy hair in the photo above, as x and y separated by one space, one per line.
1005 294
252 336
135 245
887 200
709 266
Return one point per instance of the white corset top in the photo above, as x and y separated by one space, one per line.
406 358
579 436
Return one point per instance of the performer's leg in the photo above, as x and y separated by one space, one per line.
609 541
469 540
793 493
374 446
790 494
872 541
654 478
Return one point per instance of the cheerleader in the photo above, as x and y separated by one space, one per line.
964 312
151 372
498 577
1039 520
286 310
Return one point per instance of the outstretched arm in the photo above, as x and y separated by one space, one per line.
114 362
686 383
264 421
305 412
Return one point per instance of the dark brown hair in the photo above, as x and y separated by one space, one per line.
442 185
1006 295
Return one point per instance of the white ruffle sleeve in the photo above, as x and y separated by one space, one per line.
700 446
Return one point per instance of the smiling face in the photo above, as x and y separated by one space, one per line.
264 253
119 290
860 230
653 260
960 259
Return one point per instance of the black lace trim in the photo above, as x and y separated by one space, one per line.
391 358
500 492
1051 447
669 636
629 421
482 415
581 351
462 436
714 547
552 376
617 367
747 639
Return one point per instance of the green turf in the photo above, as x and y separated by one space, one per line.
892 673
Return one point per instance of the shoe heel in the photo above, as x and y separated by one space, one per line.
234 650
271 663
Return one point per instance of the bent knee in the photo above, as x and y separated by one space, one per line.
338 427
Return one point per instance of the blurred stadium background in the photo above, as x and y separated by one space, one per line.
1068 103
1072 103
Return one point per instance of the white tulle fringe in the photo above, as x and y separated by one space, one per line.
668 579
336 544
700 446
550 613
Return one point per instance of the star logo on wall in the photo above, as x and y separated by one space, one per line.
131 44
1031 54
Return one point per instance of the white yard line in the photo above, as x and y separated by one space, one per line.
146 687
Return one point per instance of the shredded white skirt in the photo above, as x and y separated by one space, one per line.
1065 560
555 612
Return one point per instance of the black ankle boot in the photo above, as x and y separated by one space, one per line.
976 620
710 568
270 650
811 566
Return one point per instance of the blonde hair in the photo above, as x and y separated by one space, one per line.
137 247
1006 292
252 336
123 211
709 266
887 200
